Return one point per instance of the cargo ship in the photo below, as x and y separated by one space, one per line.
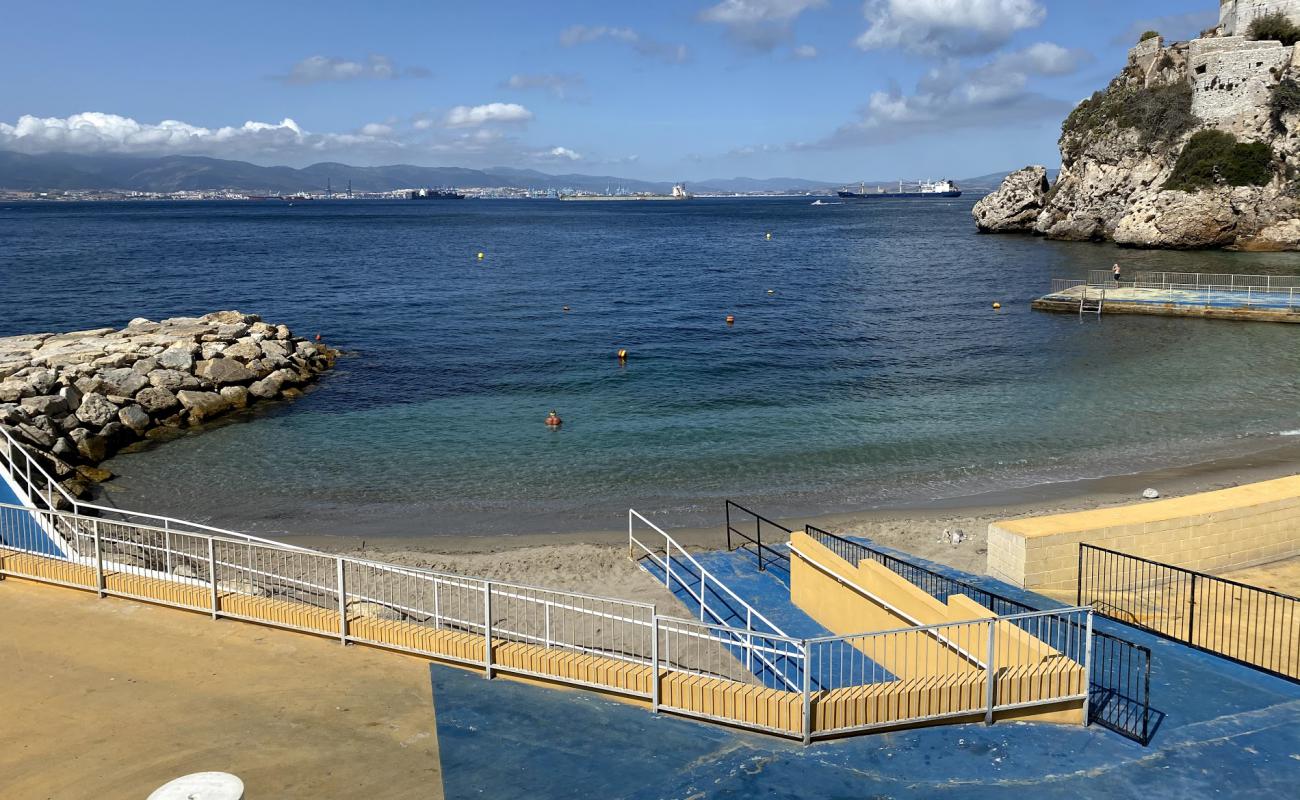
679 193
434 194
924 189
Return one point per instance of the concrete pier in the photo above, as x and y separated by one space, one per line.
1233 297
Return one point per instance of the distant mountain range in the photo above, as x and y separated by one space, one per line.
67 171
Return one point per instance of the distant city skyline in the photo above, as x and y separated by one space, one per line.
820 89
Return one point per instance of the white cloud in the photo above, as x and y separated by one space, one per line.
96 132
651 48
947 27
761 24
804 51
473 116
564 153
323 69
951 96
284 142
562 86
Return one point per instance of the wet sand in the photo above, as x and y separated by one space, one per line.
597 561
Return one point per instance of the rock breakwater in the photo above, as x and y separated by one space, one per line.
73 399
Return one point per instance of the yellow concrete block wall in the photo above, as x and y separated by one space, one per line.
1211 532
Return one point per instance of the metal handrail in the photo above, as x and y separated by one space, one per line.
670 542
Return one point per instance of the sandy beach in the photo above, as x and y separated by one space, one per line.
597 562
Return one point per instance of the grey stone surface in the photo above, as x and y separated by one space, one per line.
157 400
223 371
96 410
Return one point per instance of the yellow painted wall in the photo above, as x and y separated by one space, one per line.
1210 532
933 676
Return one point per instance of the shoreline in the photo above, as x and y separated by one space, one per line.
915 528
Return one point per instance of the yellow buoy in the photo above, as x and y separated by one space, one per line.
731 320
997 306
480 256
622 355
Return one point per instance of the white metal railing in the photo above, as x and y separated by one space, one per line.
698 582
1269 291
44 490
333 595
409 608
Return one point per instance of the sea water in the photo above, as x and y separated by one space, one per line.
866 365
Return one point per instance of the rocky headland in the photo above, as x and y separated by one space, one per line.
73 399
1193 145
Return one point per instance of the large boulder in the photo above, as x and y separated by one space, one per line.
172 379
51 405
1016 205
178 356
157 400
135 418
91 446
237 396
96 410
202 405
223 371
123 381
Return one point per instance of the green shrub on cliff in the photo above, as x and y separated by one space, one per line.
1284 100
1275 27
1157 113
1215 158
1148 35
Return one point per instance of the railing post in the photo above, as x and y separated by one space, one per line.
654 664
1078 579
212 573
807 693
1191 611
1087 674
758 534
704 598
167 544
99 558
749 639
487 629
727 514
548 626
343 604
992 672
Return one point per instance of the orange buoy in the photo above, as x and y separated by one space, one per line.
731 320
318 337
553 420
997 306
622 355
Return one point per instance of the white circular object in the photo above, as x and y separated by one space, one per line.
1151 494
202 786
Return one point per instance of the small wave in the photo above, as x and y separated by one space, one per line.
1295 432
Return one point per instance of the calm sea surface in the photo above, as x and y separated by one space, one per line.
875 372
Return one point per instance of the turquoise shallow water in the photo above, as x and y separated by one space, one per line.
876 373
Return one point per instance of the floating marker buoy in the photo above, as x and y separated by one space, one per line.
731 320
318 337
553 420
622 355
480 256
771 291
996 306
769 237
566 308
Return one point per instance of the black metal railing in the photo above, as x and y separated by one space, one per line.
739 528
1247 624
1119 696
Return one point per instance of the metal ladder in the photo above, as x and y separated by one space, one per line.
1091 305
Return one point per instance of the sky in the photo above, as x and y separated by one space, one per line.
832 90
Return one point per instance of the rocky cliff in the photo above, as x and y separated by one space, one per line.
1196 145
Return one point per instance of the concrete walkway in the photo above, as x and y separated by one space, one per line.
112 698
